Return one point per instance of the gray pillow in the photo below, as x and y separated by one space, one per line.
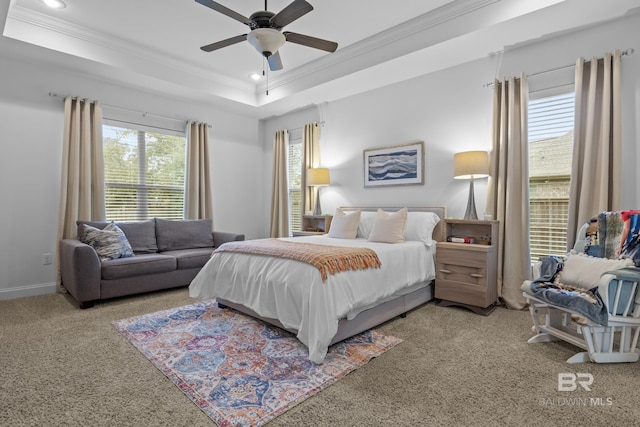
184 234
141 235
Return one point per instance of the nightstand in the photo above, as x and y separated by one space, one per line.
314 225
466 272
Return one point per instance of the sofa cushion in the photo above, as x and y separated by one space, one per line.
109 243
184 234
141 235
137 265
191 258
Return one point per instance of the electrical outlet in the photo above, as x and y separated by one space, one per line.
46 259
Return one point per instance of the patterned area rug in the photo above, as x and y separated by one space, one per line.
239 370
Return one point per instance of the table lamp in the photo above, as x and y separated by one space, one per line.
318 177
470 165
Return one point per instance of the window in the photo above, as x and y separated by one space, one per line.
550 151
144 172
295 185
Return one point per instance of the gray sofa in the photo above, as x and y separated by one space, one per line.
166 254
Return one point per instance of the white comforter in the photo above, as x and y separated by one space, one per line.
293 292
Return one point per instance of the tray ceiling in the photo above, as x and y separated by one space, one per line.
155 45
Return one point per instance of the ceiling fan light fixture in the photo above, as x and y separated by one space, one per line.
267 41
55 4
255 76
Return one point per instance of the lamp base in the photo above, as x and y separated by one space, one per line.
317 210
471 203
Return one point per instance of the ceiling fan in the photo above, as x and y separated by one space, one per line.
266 35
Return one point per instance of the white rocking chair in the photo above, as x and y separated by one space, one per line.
614 343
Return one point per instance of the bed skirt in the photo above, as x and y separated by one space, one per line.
365 320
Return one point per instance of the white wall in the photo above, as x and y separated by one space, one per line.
451 111
31 137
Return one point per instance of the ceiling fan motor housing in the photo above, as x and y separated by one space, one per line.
262 19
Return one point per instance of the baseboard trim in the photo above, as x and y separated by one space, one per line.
28 291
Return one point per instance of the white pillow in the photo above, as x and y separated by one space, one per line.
584 271
343 225
366 224
389 228
420 226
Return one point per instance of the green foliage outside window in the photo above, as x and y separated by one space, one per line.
144 174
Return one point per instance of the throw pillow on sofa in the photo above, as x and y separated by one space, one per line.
109 243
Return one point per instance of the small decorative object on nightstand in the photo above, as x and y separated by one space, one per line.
314 224
467 265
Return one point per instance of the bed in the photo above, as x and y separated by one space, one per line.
292 295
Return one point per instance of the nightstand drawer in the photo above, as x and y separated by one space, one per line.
466 293
461 273
468 256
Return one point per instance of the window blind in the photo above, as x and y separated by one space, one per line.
144 172
294 159
550 133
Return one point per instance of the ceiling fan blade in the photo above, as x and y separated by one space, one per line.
275 63
225 11
224 43
293 11
310 41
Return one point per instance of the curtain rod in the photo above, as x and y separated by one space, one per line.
144 114
302 127
626 52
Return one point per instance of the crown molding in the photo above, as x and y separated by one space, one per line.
29 20
372 46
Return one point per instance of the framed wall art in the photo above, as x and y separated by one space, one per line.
396 165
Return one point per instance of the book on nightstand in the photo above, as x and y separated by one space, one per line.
461 239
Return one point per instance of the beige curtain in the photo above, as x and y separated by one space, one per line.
508 187
82 175
198 204
310 159
597 148
280 193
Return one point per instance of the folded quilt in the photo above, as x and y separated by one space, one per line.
614 235
588 303
327 259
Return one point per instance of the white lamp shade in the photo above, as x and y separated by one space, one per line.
318 177
266 40
468 164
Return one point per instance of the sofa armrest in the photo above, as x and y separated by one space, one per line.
220 237
80 270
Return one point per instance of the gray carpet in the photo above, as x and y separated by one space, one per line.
62 366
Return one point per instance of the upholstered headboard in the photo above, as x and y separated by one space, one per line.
440 230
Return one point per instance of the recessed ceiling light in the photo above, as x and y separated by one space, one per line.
55 4
255 76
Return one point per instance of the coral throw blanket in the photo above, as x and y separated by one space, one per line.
327 259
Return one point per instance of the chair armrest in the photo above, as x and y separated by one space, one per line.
80 270
535 270
620 291
220 237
